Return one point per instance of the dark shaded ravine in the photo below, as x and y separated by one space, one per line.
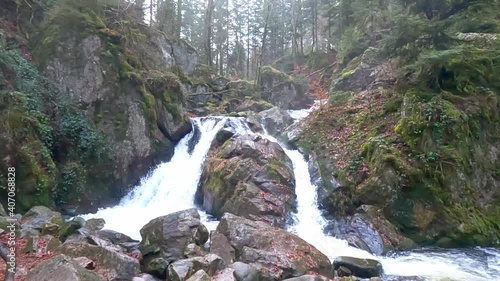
172 186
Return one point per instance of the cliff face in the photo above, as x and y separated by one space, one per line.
115 78
414 147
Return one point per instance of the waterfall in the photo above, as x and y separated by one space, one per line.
171 187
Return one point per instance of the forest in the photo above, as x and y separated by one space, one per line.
250 140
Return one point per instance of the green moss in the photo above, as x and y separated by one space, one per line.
148 104
340 98
41 133
275 74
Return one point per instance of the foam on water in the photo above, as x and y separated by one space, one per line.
171 187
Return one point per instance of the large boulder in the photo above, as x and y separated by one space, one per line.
276 253
281 90
249 176
165 239
40 219
364 268
61 268
275 120
117 265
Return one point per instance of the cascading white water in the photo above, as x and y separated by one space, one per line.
171 187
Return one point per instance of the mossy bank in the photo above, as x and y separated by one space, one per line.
414 132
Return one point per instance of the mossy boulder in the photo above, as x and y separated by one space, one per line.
362 73
283 91
40 219
249 176
276 253
165 239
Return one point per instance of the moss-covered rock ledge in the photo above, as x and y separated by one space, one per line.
418 145
102 108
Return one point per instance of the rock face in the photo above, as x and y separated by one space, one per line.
275 120
136 139
276 253
280 90
178 52
364 268
249 176
61 268
362 73
166 238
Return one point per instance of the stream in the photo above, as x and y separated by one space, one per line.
171 187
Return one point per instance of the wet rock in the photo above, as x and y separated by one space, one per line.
323 171
254 122
165 238
391 237
61 268
244 272
343 271
276 121
276 253
200 275
360 233
117 265
249 176
364 268
222 136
